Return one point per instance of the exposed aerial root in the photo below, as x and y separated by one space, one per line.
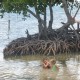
44 47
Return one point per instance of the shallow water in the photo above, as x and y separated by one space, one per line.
28 67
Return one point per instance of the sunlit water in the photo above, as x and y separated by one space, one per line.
29 67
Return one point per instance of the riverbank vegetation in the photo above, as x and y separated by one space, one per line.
22 46
49 40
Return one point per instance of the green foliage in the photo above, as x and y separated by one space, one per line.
21 6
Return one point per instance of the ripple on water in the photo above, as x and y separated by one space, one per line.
19 70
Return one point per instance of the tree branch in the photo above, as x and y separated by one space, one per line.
77 11
77 36
32 13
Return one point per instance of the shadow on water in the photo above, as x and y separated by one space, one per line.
29 67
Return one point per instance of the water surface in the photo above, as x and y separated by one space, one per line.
28 67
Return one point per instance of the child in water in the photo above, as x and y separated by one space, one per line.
51 68
54 67
46 64
50 64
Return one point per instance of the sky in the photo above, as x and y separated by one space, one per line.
78 0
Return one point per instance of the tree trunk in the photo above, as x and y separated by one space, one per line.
65 7
45 26
70 20
51 17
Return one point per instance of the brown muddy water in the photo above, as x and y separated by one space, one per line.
29 68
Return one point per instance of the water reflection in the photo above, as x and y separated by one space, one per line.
28 68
